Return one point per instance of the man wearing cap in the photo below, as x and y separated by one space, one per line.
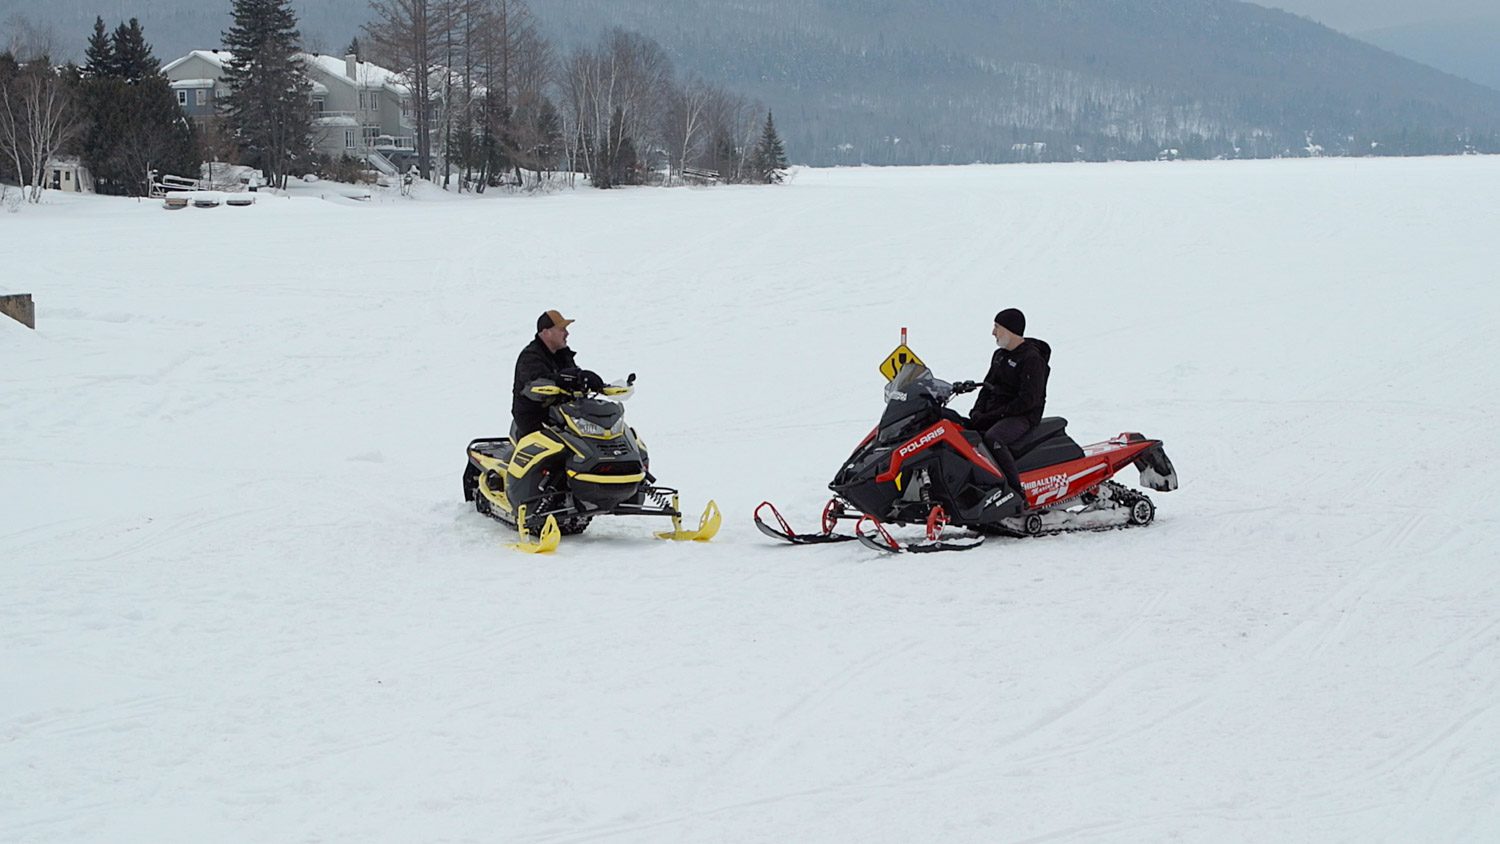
546 356
1014 393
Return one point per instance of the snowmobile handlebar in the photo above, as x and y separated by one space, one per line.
965 387
579 383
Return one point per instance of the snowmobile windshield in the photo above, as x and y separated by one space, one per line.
911 401
914 381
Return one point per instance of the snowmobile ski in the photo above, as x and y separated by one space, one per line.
546 541
880 539
708 525
832 512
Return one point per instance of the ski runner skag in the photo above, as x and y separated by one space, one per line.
921 466
585 462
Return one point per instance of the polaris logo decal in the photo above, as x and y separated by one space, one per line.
917 445
897 396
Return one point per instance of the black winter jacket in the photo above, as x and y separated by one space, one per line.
535 362
1016 385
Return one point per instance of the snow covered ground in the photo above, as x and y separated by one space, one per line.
241 598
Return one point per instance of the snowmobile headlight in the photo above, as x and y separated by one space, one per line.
592 429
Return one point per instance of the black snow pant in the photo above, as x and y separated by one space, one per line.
999 437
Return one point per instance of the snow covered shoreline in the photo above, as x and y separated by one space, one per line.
244 600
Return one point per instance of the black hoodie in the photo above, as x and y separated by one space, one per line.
536 361
1016 385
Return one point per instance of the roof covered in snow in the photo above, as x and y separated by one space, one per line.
217 58
367 74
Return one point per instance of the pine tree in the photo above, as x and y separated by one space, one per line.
133 58
769 160
268 107
99 57
353 49
133 123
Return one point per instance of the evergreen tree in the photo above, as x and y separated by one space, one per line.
133 124
769 160
268 107
99 57
353 49
133 58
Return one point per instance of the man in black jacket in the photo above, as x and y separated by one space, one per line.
546 356
1014 394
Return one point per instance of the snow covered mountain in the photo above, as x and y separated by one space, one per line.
242 598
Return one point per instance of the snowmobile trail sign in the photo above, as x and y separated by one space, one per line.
897 359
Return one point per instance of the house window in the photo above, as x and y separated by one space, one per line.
202 96
348 139
318 105
363 102
371 133
67 175
374 101
182 98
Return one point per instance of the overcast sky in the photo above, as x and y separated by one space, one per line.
1364 15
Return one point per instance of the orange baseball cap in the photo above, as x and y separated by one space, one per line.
552 319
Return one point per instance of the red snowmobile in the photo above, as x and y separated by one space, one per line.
921 466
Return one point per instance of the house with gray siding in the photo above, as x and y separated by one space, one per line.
359 108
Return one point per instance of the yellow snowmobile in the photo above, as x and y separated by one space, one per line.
584 462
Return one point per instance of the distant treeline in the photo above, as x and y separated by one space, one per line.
957 81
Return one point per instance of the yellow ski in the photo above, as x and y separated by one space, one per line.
707 526
546 543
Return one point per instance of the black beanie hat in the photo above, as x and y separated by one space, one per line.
1012 320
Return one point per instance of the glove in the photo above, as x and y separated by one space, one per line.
578 380
570 380
964 387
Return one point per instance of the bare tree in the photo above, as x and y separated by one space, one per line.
616 94
408 36
26 41
685 131
513 67
37 117
731 130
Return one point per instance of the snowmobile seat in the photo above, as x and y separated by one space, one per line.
1050 426
498 449
1045 445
